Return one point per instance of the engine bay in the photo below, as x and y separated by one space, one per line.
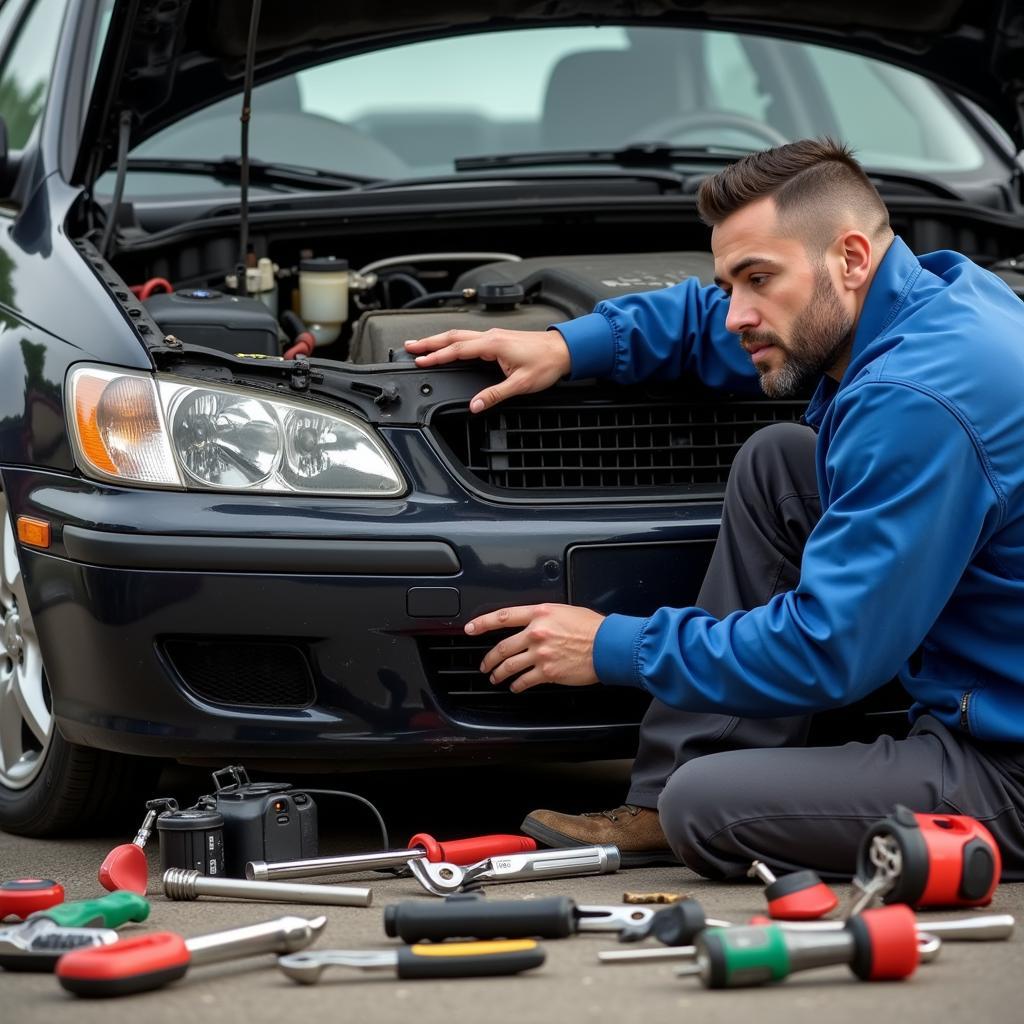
322 307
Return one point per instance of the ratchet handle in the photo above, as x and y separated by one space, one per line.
469 959
138 964
469 917
469 851
106 912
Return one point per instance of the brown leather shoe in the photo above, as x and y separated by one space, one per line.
636 831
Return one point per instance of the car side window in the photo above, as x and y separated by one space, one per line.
26 69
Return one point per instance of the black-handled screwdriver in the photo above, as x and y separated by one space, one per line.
469 916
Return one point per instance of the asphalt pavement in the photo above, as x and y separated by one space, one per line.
978 981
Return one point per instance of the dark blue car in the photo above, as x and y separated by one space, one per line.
237 523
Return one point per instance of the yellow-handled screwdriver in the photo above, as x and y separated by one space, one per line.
425 960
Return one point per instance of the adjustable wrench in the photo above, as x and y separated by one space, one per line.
443 879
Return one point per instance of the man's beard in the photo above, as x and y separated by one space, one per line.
820 333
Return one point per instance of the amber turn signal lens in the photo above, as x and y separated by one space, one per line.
118 427
33 532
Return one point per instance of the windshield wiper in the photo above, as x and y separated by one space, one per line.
229 170
642 154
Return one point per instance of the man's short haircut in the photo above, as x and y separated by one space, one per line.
816 184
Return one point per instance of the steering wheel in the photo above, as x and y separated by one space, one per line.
670 129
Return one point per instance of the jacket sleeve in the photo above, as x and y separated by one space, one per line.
910 503
662 333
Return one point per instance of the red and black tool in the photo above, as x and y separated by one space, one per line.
929 860
150 961
799 896
23 896
878 945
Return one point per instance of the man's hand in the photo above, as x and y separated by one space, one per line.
556 645
530 360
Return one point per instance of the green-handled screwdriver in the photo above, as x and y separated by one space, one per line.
38 942
878 945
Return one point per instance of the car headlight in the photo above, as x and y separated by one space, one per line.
167 432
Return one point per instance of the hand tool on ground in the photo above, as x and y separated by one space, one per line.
448 960
421 846
180 884
798 896
472 916
928 947
443 879
927 860
150 961
125 866
37 943
983 928
878 945
23 896
675 925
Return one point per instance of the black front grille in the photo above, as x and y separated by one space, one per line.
244 673
463 692
644 443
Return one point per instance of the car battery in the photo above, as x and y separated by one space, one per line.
228 323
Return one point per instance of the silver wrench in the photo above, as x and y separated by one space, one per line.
443 879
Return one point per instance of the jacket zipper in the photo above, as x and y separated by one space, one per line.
965 704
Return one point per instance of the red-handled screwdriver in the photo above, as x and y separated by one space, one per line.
151 961
23 896
421 847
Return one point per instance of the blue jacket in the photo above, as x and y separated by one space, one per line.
916 567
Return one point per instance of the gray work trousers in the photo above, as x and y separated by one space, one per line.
730 790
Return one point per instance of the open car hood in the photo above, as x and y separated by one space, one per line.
163 59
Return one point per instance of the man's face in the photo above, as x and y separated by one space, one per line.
783 304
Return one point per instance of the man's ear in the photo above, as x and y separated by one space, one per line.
853 250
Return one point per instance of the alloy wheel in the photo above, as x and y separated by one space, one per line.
26 711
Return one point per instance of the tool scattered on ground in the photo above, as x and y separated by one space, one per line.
878 945
654 897
928 948
449 960
443 879
984 928
676 925
37 943
472 916
926 860
798 896
151 961
189 885
421 846
23 896
109 911
125 867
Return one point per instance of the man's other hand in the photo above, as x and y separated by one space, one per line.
556 645
530 360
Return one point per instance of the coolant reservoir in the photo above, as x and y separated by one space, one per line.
323 289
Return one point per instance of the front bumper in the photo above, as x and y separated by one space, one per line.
368 592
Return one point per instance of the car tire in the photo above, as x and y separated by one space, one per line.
49 786
79 791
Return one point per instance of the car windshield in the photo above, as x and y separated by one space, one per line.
411 111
